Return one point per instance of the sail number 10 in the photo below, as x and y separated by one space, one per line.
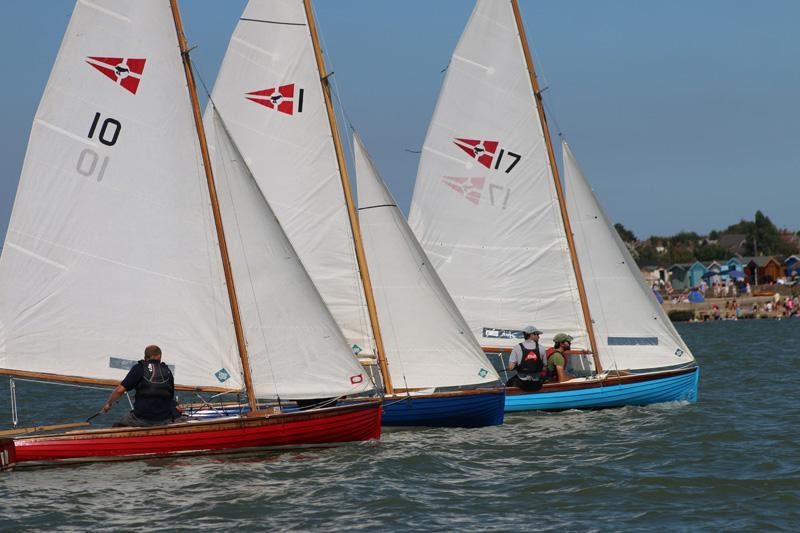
107 133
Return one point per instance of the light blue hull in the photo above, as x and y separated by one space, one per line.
656 390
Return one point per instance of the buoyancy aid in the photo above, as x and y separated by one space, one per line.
550 375
156 382
531 365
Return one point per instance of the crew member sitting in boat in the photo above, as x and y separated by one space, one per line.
155 393
528 360
557 360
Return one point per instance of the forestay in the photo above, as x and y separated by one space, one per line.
485 206
427 342
632 330
295 348
269 91
111 244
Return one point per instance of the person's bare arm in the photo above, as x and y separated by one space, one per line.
562 374
115 395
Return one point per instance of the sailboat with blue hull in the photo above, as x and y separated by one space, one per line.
597 393
516 246
272 93
466 409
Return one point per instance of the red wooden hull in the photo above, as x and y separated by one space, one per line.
305 428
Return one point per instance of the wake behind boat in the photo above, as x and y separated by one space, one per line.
489 209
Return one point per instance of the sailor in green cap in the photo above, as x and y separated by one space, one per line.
557 361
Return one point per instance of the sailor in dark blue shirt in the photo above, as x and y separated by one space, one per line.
155 392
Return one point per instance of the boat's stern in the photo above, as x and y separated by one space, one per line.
8 456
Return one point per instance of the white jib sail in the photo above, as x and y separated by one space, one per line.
295 349
427 341
631 329
111 244
485 207
269 91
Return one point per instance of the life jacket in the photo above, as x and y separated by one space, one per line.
156 382
550 375
531 363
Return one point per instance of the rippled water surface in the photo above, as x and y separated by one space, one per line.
731 461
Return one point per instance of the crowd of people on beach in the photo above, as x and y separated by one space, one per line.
777 307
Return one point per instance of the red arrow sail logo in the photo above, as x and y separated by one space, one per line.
127 72
483 151
281 98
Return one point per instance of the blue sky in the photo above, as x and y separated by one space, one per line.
683 114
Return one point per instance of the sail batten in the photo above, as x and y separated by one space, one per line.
428 344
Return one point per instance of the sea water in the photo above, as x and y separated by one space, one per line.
729 462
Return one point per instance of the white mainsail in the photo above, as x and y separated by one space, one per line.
485 207
111 244
632 331
269 92
427 342
295 348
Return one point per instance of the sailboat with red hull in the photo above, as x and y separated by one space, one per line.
118 239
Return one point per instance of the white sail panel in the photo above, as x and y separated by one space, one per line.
111 244
295 349
485 207
268 89
427 342
631 329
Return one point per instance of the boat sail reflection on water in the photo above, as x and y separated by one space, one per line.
489 210
272 92
116 241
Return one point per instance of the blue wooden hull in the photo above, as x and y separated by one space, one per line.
468 409
635 390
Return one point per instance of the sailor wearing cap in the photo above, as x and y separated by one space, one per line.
557 361
527 358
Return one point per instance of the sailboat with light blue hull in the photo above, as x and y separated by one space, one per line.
677 386
515 246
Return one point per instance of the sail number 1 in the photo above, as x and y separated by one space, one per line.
107 133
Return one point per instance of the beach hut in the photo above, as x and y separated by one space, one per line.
678 276
734 263
695 273
792 264
714 273
762 269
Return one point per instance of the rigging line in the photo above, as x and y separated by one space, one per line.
274 22
203 83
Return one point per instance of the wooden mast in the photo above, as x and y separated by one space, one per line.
351 210
212 191
559 191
